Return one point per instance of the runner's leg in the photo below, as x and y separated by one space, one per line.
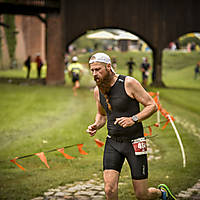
142 191
111 179
75 87
77 84
112 164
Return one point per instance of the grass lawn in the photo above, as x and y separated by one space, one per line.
35 118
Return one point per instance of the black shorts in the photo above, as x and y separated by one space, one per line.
144 76
130 70
115 154
75 77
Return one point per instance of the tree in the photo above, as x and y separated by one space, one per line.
10 36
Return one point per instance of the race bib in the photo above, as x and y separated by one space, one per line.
140 146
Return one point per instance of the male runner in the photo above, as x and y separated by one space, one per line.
118 99
130 64
145 67
75 70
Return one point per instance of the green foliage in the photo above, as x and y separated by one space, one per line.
10 35
84 42
183 42
177 60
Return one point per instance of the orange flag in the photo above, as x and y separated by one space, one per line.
64 154
42 158
157 102
156 99
152 93
145 134
81 150
150 130
172 118
166 124
14 161
164 112
99 143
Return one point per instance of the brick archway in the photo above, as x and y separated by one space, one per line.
156 22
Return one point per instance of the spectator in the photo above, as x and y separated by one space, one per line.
27 63
197 70
39 64
193 46
145 67
130 64
114 63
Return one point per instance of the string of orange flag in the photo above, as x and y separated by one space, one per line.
42 156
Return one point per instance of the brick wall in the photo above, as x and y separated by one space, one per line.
31 37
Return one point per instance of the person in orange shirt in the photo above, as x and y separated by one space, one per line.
39 64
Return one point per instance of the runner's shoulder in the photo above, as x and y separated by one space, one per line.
96 93
130 81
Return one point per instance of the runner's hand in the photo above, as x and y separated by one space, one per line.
124 121
92 129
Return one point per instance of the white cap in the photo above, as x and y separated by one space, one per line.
100 57
75 58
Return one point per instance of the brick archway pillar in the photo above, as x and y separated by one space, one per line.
157 68
55 50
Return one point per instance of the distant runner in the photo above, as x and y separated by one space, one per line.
75 70
145 67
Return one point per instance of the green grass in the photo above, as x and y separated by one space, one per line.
32 114
21 72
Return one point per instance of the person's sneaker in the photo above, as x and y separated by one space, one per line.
166 193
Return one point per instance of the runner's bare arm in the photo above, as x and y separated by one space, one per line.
100 119
101 113
135 90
